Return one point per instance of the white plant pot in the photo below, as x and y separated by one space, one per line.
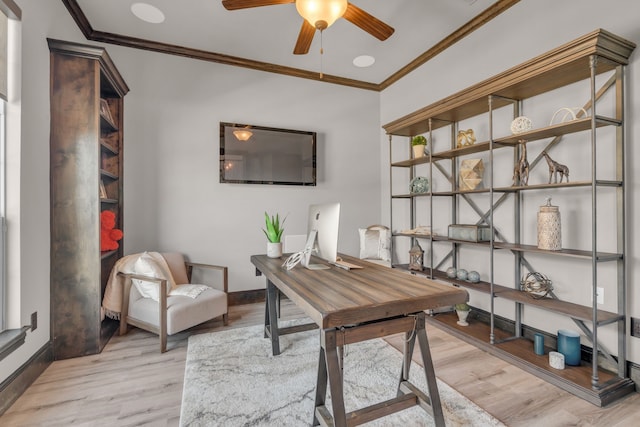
418 151
274 250
462 317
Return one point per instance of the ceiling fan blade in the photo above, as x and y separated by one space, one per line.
367 22
245 4
307 31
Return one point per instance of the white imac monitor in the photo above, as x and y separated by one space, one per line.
322 229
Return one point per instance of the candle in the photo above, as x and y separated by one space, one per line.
569 346
538 344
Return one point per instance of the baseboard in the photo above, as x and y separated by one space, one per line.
18 382
246 297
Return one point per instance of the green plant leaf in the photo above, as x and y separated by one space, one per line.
273 229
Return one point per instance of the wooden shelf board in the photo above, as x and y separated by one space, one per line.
107 125
108 147
575 253
570 309
578 125
574 379
107 174
107 254
110 201
416 235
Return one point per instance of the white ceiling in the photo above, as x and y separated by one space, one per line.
269 33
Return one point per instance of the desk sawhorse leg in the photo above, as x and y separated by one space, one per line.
271 329
408 395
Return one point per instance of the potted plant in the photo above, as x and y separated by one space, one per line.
463 311
419 144
273 232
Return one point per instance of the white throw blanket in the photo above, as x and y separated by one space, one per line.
112 301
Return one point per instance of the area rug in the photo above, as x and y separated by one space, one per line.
231 379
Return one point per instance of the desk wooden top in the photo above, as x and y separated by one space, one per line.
337 297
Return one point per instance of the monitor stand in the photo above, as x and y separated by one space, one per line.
308 248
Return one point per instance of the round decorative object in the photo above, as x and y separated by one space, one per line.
473 277
521 124
537 285
419 184
462 274
451 273
549 227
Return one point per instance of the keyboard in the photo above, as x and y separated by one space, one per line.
346 265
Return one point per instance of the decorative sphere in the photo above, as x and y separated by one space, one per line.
473 277
451 273
462 274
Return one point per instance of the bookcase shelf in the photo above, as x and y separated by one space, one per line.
580 60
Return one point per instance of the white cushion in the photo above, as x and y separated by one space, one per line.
375 244
147 266
191 291
182 312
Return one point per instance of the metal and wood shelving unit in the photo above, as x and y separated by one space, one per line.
582 60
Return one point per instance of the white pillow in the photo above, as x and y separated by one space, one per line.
191 291
375 244
147 266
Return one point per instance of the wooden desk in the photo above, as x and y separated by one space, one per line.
353 306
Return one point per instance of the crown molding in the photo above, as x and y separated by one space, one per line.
136 43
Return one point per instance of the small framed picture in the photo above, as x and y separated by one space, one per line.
103 191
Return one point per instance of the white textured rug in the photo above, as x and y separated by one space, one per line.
231 379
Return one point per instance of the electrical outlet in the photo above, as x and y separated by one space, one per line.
600 295
635 327
34 320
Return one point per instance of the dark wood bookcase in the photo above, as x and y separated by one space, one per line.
86 166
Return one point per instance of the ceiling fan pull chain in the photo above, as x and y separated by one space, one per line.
321 53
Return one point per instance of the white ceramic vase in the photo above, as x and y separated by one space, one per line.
462 317
418 151
274 250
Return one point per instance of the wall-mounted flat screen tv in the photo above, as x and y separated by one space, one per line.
261 155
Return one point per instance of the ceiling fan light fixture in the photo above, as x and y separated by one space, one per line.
321 13
242 134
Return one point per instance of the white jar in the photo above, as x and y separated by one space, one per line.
549 227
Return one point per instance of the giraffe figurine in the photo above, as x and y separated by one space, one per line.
521 171
556 168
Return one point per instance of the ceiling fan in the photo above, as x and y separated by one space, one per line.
319 15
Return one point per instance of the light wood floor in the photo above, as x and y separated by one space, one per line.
131 384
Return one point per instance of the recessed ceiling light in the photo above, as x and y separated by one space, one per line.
363 61
147 13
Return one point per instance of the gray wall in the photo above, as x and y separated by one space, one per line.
173 197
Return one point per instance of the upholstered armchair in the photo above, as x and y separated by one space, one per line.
159 297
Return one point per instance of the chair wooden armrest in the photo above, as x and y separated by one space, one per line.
162 301
223 269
